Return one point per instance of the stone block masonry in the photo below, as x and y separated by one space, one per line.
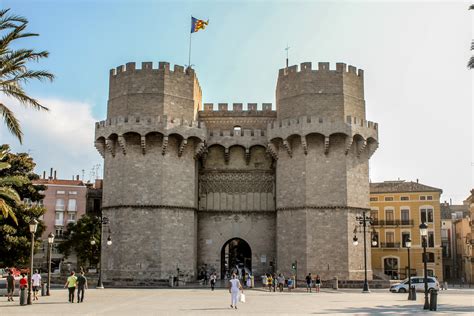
194 187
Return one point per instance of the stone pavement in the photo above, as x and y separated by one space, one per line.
204 302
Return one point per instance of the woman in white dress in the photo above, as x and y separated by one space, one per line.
234 288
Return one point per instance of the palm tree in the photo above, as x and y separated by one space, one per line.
13 68
8 195
470 64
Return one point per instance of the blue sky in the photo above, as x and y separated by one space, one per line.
414 56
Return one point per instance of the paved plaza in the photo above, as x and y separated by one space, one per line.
204 302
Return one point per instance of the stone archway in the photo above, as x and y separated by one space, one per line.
236 255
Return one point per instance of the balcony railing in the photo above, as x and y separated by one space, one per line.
393 222
390 244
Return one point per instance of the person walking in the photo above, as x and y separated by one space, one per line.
10 285
234 288
23 287
269 282
213 281
264 281
281 282
309 281
318 283
71 283
36 280
249 281
81 286
275 282
290 283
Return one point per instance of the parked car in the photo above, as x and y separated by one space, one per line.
417 282
3 286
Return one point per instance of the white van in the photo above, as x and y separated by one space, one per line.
418 282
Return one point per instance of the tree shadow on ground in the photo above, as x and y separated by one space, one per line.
400 309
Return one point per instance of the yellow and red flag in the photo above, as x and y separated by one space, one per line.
197 25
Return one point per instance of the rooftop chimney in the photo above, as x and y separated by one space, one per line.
77 177
54 174
44 174
51 174
416 180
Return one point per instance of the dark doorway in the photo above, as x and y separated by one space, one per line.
236 256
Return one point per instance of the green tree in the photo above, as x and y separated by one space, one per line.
15 237
78 237
14 71
470 64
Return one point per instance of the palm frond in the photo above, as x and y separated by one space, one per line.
471 7
472 45
13 181
12 123
4 165
9 194
16 92
7 211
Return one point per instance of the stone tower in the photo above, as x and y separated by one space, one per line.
256 189
149 143
323 143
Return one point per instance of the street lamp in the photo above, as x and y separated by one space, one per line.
424 236
364 221
33 226
50 247
411 296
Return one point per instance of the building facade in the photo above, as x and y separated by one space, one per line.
397 209
187 186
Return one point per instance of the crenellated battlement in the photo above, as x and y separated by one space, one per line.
146 67
164 121
322 67
311 120
238 107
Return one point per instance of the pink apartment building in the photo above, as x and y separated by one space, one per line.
65 202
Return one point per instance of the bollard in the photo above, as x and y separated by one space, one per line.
433 300
252 284
43 289
412 296
22 296
335 285
171 280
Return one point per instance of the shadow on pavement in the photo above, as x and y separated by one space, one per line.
399 309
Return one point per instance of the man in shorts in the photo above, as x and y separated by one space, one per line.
309 282
10 285
36 280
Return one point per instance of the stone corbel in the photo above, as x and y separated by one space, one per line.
122 142
164 146
226 155
100 146
287 147
326 145
200 149
372 148
271 149
143 144
361 146
349 141
182 146
109 144
304 144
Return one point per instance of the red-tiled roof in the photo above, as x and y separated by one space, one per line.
401 186
59 182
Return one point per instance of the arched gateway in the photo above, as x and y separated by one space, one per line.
236 256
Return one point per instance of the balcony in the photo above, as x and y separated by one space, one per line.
390 244
59 222
392 222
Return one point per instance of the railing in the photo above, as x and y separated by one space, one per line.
392 222
390 244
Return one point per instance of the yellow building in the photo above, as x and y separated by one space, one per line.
397 210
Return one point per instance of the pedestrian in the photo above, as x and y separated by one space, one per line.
213 281
275 282
318 283
36 280
269 282
10 285
249 281
81 286
23 287
234 288
290 284
71 283
264 280
281 282
309 281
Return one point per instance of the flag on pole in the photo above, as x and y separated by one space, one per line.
197 25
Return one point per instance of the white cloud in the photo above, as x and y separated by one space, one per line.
62 138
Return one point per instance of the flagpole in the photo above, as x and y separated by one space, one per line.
190 33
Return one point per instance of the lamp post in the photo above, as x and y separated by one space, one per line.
33 224
50 247
424 236
103 221
410 294
364 221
